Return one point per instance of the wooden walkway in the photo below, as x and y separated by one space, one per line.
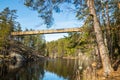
52 31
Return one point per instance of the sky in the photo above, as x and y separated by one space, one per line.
29 19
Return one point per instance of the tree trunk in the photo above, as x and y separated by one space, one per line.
108 30
98 32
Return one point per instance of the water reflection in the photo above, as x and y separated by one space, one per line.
54 69
29 71
63 68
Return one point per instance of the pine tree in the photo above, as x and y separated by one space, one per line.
7 17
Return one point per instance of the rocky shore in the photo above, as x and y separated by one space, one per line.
17 52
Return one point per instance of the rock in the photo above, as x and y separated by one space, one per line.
16 65
17 57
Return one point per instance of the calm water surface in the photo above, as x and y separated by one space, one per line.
54 69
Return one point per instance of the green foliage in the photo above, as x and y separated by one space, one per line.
37 42
70 45
6 25
75 41
45 8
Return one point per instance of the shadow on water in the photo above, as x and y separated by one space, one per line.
53 69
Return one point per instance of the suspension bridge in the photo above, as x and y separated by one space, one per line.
52 31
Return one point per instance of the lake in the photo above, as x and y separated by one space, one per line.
53 69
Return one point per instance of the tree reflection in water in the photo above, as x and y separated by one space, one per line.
60 69
28 71
84 70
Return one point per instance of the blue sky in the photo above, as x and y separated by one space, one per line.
29 18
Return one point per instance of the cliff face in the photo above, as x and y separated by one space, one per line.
16 51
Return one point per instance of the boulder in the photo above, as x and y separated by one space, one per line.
17 57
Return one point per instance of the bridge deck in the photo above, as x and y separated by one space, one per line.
46 31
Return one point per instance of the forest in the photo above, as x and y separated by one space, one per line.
99 39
